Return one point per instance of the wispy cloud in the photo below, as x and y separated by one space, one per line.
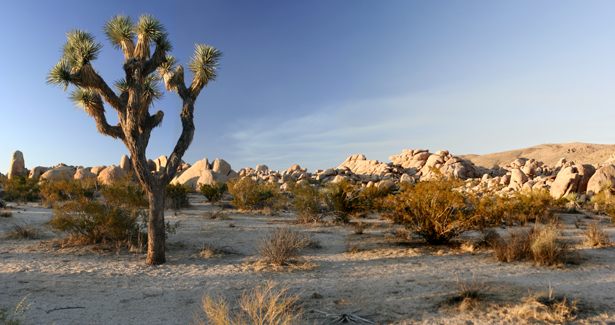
465 119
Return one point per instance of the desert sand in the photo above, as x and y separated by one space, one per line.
388 281
548 153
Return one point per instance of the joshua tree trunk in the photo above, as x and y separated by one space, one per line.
156 228
136 92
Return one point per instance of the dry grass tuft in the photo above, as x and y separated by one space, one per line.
401 234
6 214
542 245
596 236
216 215
213 251
546 308
281 245
268 211
265 305
469 297
469 247
24 231
358 229
353 249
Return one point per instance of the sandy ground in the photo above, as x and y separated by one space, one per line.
548 153
388 281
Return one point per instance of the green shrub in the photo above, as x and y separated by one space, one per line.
54 192
177 196
20 188
97 221
531 206
434 209
489 209
605 202
125 193
342 199
213 192
250 195
307 202
372 199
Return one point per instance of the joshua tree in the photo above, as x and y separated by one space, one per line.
135 94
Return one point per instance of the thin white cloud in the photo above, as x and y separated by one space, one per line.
457 119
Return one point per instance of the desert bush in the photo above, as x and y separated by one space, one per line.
531 206
213 192
372 199
515 247
20 188
307 202
281 245
547 247
54 192
22 231
98 221
14 316
177 196
125 193
434 209
596 236
264 305
5 214
250 195
342 199
541 245
488 209
605 202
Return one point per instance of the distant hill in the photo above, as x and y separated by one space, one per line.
550 154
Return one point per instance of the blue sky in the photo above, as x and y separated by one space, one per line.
313 82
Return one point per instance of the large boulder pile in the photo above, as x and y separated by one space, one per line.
202 172
521 174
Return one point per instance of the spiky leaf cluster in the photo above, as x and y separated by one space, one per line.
86 100
80 49
119 29
149 27
60 74
203 64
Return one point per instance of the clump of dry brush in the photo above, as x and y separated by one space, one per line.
542 245
282 245
265 305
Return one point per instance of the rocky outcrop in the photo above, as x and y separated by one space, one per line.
126 164
221 166
96 170
84 173
191 175
586 172
604 175
160 162
18 165
110 174
59 173
566 182
210 177
37 171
